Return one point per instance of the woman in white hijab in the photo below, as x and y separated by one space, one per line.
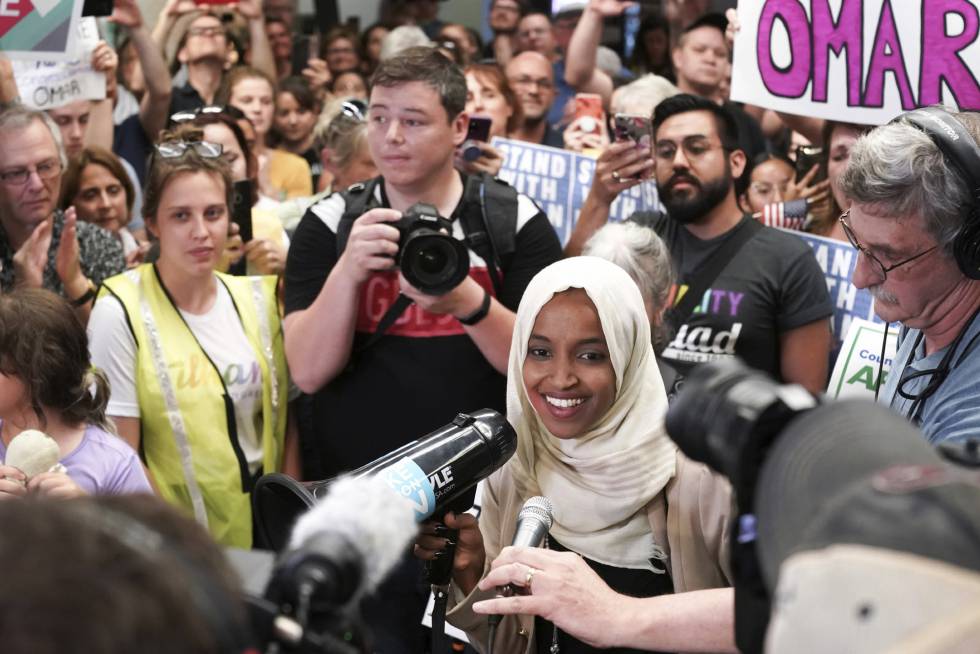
586 398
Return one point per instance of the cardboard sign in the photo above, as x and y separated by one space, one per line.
33 29
859 363
47 84
859 61
559 181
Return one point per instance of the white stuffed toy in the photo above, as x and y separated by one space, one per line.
33 452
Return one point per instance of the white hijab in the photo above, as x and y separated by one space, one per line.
600 482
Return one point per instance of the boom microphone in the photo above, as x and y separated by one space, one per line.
436 473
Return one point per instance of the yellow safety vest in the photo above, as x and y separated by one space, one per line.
188 438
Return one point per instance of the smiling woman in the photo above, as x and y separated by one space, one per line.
97 185
587 401
174 337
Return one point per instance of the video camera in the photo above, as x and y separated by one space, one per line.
818 484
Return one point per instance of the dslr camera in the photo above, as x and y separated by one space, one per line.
431 259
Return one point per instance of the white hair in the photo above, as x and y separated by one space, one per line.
642 96
401 38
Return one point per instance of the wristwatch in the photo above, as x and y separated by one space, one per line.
480 313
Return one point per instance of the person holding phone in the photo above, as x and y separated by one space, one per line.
195 358
494 113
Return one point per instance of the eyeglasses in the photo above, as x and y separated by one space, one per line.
18 176
190 114
879 268
695 147
206 31
174 149
544 84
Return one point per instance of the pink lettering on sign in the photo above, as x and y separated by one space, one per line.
841 36
814 39
887 56
943 62
791 81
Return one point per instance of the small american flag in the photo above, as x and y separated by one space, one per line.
788 215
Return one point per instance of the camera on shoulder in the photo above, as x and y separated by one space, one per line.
431 259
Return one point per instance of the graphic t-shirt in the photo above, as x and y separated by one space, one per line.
222 337
772 285
425 369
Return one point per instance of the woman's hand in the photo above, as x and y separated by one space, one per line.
805 188
56 485
582 134
234 248
317 74
12 483
490 161
470 556
621 166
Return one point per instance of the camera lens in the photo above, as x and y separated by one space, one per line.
433 262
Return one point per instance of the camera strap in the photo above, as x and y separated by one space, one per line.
394 312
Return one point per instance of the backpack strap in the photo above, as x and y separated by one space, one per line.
489 220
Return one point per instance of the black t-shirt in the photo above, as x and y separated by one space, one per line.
131 143
772 285
312 157
425 369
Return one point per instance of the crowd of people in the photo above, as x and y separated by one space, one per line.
200 286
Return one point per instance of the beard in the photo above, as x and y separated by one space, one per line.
693 205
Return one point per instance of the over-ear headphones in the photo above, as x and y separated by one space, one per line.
959 149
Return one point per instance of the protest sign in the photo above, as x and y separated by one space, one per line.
47 84
859 61
559 180
33 29
837 260
857 368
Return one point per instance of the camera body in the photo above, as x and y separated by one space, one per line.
430 257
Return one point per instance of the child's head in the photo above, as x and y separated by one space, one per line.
44 360
581 348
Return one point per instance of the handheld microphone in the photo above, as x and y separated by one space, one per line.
533 523
436 473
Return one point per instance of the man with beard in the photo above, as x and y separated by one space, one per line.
769 304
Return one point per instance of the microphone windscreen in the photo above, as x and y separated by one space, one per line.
378 523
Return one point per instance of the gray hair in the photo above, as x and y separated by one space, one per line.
402 38
899 171
16 116
645 93
644 256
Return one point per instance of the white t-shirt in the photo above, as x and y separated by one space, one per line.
221 335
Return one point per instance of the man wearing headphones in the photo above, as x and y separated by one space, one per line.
914 216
